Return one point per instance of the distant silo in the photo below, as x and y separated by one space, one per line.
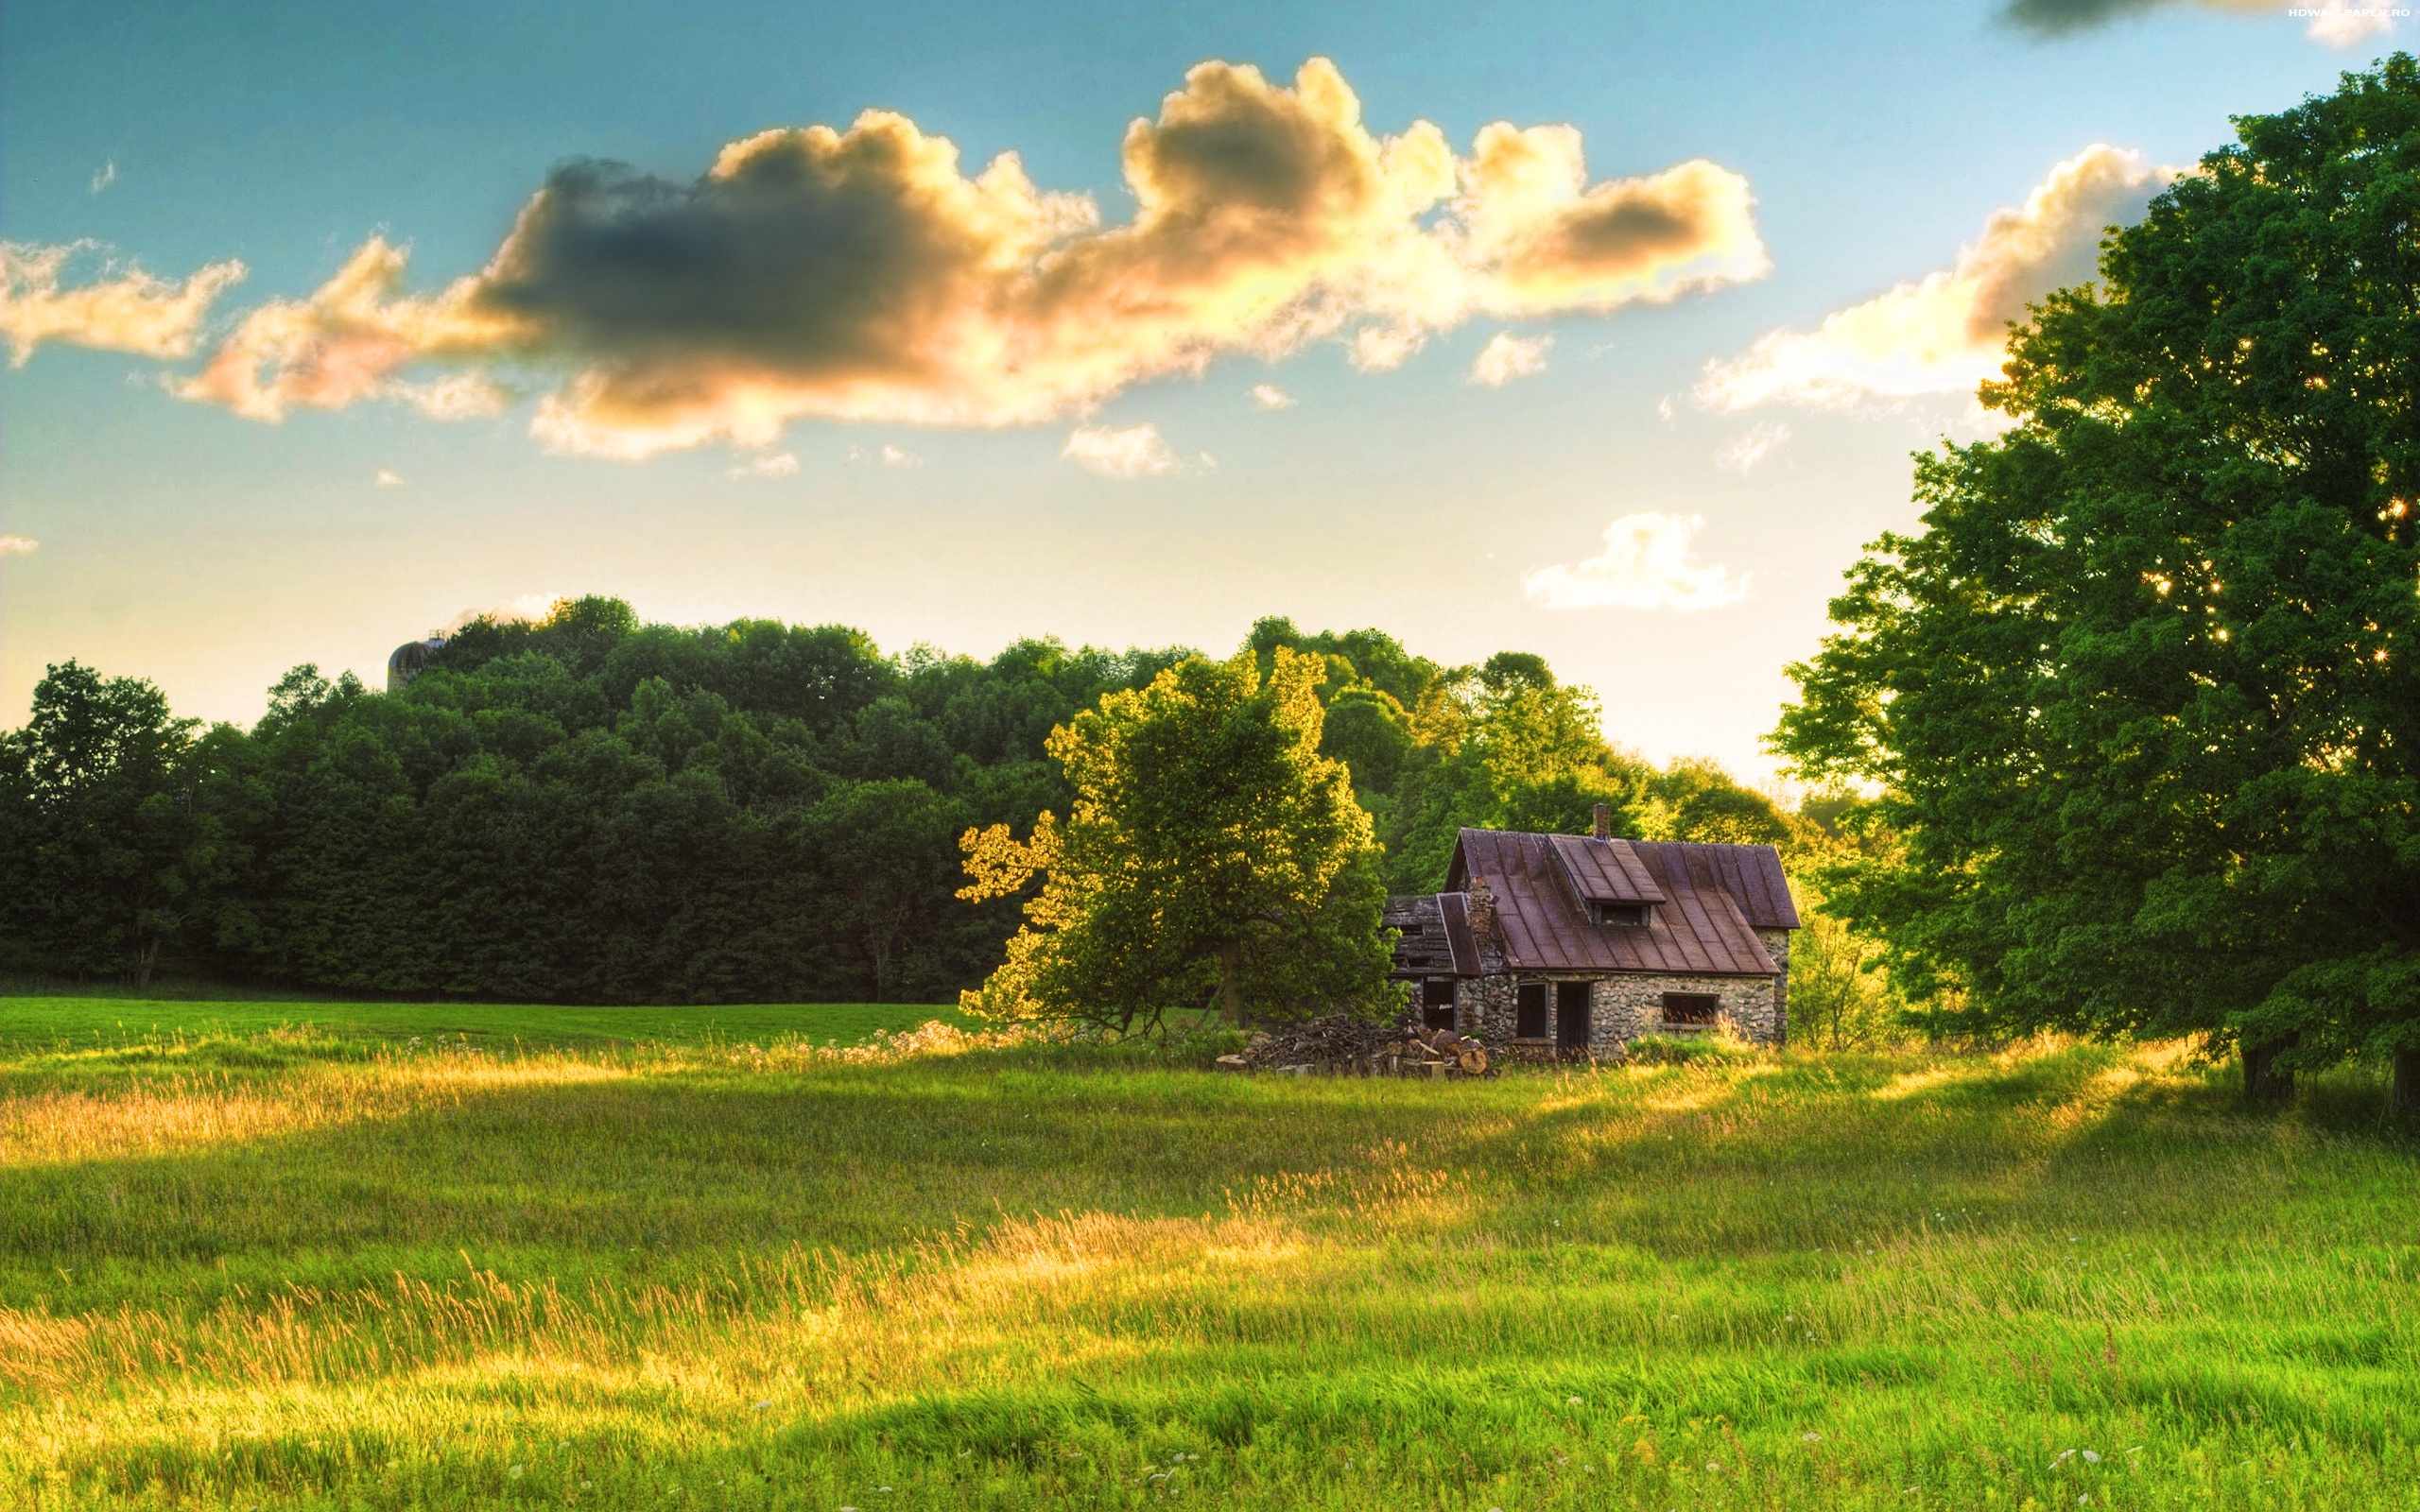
410 660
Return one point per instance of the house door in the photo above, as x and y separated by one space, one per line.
1436 1003
1571 1015
1529 1011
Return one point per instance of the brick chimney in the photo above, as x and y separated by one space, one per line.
1605 825
1482 908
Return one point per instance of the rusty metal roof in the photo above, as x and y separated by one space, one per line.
1749 873
1604 872
1697 926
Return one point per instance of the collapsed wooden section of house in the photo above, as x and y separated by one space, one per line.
1563 945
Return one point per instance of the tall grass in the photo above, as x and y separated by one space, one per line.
305 1270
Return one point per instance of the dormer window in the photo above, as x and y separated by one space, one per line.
1632 915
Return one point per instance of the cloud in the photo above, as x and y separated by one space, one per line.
1645 565
388 478
107 175
1269 396
862 275
124 310
1126 453
18 545
1507 356
1744 452
778 465
887 454
1948 331
2337 24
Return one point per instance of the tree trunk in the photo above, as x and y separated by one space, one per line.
1231 991
2263 1082
2403 1095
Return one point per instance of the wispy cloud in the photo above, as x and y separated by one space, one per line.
388 478
18 545
1269 396
776 465
1947 332
1743 452
106 177
1645 565
887 455
124 310
859 274
1507 356
1126 452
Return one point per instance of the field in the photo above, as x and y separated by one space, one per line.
342 1255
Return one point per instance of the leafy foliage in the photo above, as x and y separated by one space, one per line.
1210 848
2142 694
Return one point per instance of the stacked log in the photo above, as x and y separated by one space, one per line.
1346 1046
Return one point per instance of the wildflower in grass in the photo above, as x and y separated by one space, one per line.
1572 1400
2091 1457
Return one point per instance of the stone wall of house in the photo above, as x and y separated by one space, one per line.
1777 944
1620 1008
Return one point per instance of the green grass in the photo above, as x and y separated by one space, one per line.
326 1268
82 1021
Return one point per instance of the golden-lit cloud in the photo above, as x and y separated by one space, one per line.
1743 452
124 310
1646 564
1507 356
774 465
1126 452
863 275
18 545
1269 396
388 478
1947 332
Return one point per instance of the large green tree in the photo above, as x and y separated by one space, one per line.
1211 852
104 859
2143 692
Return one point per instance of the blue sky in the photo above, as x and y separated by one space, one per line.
180 540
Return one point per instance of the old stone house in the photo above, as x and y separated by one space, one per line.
1568 943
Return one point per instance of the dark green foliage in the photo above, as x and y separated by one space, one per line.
2143 693
591 809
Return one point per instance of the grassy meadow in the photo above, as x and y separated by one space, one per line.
293 1256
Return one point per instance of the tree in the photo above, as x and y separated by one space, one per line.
1211 852
2142 695
886 854
107 859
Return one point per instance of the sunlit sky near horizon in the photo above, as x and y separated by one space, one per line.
1217 344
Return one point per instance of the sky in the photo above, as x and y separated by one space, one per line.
1601 330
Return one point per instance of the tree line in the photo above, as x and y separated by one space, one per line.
586 808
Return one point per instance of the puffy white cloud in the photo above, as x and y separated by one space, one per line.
388 478
1126 452
862 275
124 310
18 545
1947 332
1743 452
1645 565
1269 396
1507 356
777 465
887 455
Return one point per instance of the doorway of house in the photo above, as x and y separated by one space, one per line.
1572 1016
1436 1003
1529 1011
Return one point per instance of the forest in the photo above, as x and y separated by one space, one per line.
591 809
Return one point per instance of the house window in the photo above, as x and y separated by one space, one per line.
1690 1007
1409 930
1633 914
1529 1011
1571 1015
1436 1003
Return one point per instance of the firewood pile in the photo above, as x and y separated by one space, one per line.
1346 1046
